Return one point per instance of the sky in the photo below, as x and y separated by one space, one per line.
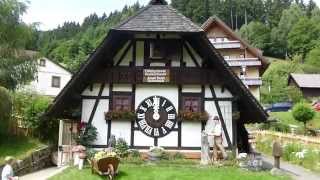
51 13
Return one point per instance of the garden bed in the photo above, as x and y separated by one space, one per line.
170 170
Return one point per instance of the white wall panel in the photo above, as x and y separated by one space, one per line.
87 106
169 92
94 91
122 88
100 123
170 140
141 139
191 89
121 129
218 90
191 134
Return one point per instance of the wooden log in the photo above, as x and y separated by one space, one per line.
205 149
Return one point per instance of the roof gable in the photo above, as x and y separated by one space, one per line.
216 21
158 18
306 80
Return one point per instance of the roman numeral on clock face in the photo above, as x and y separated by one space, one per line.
169 124
169 108
141 116
171 116
149 103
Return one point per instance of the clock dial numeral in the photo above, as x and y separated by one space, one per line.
164 103
156 101
169 108
143 124
141 116
169 124
148 130
171 116
149 103
143 109
164 131
156 132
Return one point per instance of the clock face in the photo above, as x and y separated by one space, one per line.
156 116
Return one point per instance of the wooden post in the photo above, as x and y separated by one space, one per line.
205 149
277 153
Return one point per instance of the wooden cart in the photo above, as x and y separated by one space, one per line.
105 166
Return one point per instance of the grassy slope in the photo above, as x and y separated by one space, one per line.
165 172
17 147
286 118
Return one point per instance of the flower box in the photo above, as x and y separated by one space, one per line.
193 116
120 115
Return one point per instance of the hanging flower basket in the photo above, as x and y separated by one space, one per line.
193 116
120 115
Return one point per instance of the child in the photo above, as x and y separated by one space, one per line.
7 171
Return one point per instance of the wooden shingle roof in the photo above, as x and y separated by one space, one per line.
306 80
158 18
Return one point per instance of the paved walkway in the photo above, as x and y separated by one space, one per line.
43 174
297 172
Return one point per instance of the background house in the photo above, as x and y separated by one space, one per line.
246 61
309 84
51 78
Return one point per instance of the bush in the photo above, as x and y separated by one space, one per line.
275 126
295 95
122 148
87 134
303 112
5 110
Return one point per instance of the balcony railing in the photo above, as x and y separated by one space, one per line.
243 62
225 44
250 81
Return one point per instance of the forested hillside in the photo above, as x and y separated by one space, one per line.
71 43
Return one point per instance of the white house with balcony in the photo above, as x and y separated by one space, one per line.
51 78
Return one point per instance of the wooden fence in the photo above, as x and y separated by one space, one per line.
288 137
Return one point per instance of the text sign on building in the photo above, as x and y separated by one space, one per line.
156 75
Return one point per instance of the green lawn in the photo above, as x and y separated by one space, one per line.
18 147
286 118
170 172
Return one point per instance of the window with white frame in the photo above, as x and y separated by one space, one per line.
56 81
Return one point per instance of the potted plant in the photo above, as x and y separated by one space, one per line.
155 153
193 116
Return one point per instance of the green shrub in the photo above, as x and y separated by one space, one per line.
275 126
295 94
303 112
134 153
87 134
178 155
5 110
122 148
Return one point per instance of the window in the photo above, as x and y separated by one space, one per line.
191 104
243 71
55 81
157 50
42 62
122 103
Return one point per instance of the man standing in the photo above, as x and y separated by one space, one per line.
217 140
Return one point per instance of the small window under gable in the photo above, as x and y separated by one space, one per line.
42 62
157 50
56 81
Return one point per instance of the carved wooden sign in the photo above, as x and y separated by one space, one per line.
156 75
156 116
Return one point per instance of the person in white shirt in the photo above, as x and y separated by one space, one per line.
217 140
7 171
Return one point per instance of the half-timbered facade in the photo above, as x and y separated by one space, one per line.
246 61
158 64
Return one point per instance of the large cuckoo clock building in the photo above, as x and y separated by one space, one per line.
153 81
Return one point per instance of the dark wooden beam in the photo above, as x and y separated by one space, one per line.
221 117
191 55
125 52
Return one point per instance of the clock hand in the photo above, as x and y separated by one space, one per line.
156 105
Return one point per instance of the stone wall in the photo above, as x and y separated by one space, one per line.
39 159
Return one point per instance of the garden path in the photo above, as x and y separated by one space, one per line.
43 174
297 172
